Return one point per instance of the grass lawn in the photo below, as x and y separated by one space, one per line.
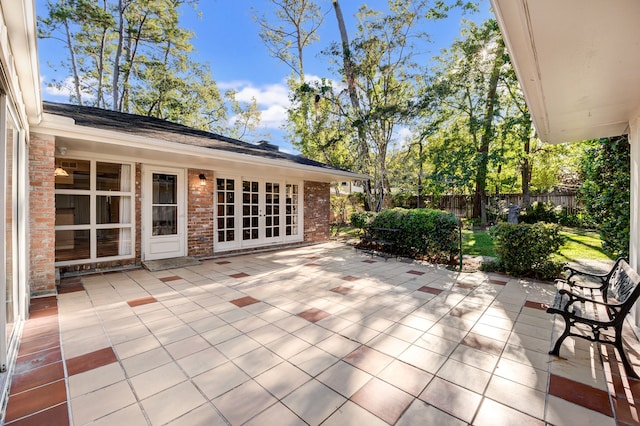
580 244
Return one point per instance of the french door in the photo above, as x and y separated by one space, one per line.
256 212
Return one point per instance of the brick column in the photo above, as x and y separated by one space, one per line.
42 214
317 209
200 213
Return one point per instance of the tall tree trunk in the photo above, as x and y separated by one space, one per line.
350 77
103 43
118 55
74 65
480 196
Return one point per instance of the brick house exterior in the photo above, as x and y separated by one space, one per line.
227 196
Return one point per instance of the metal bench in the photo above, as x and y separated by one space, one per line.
598 301
380 241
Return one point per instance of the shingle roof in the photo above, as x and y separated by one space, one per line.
171 132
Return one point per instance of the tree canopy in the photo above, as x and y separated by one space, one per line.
417 124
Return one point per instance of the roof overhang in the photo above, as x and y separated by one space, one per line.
577 62
20 20
84 140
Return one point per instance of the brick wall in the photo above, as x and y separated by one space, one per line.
200 214
317 208
42 214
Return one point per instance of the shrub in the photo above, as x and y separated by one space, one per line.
540 212
606 174
432 234
361 219
525 249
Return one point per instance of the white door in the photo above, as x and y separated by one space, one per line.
164 220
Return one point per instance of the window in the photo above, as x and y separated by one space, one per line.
94 210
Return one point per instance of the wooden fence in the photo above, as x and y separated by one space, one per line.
462 205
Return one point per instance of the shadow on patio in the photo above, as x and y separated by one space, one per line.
313 335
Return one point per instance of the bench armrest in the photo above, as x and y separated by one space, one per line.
575 272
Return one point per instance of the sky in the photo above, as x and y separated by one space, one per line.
226 37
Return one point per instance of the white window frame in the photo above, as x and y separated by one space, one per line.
93 226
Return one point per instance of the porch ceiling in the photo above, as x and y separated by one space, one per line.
577 62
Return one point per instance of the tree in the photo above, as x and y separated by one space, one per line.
133 56
606 191
469 85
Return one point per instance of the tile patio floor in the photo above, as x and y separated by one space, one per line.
314 335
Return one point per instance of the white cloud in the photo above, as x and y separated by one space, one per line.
272 99
273 117
65 88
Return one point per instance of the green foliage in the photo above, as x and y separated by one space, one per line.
606 174
361 219
133 56
432 234
526 249
541 212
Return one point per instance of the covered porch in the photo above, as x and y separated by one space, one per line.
313 335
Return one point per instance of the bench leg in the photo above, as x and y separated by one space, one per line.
628 368
556 348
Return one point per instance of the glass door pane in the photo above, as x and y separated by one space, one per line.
250 210
226 199
165 204
10 226
272 209
291 210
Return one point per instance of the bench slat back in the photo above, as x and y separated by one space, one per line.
623 284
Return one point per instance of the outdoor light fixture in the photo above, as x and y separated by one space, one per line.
61 172
203 179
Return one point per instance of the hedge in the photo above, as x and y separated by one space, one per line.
432 234
526 249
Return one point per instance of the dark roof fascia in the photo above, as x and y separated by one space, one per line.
173 132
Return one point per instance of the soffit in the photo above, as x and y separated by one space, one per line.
577 61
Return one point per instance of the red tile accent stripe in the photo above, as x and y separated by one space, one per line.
369 261
54 416
313 314
244 301
34 400
350 278
142 301
40 344
312 264
37 359
580 394
427 289
498 282
42 303
536 305
172 278
342 290
413 272
239 275
37 377
223 262
91 361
